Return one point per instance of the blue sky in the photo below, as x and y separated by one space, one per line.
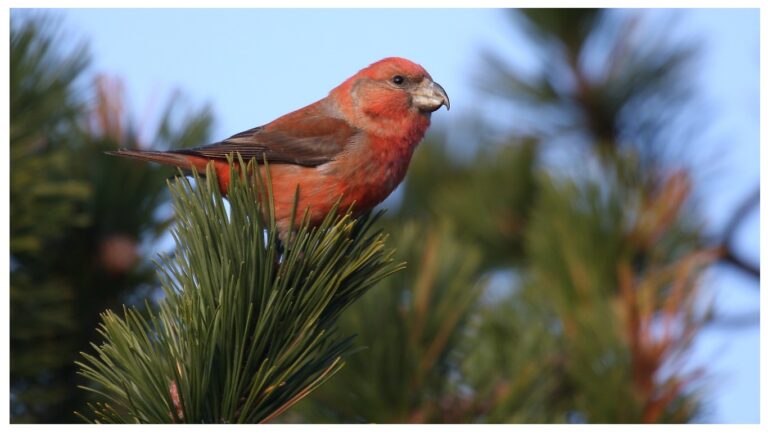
254 65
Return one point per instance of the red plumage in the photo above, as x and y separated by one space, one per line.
356 143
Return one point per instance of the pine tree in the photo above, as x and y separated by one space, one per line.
79 219
585 296
243 331
534 290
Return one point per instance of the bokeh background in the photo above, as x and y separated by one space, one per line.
581 228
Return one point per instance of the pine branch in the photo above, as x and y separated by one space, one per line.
243 332
727 253
409 327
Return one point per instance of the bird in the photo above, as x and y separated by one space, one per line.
351 148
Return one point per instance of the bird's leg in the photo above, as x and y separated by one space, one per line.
286 235
280 246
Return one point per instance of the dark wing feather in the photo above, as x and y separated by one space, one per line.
300 138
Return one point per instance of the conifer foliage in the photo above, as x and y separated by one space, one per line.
592 253
555 275
244 331
78 219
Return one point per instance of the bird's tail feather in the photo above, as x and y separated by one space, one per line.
164 158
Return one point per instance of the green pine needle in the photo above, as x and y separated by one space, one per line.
244 332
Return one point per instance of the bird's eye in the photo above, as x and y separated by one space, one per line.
397 79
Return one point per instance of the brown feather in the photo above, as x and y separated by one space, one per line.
307 137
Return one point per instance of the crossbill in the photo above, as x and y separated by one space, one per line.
352 147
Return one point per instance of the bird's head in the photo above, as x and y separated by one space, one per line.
394 87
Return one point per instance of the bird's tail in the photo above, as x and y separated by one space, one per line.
164 158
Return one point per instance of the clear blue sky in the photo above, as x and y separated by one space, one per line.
254 65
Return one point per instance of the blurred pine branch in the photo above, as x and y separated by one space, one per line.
585 299
78 217
408 328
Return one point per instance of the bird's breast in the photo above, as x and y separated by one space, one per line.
373 169
360 177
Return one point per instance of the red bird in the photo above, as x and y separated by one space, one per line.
356 143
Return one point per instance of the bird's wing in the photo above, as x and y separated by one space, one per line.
300 138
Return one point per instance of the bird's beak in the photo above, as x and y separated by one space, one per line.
429 96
